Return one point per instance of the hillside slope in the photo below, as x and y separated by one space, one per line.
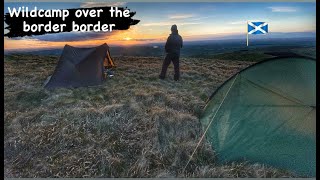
134 125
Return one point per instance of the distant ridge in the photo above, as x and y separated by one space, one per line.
211 46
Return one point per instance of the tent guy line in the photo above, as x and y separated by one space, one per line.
203 135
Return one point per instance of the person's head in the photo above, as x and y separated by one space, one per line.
174 29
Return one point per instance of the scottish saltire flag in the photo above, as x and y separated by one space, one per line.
257 27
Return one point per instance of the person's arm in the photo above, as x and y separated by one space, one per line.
166 47
181 41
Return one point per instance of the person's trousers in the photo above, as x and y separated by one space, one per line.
175 60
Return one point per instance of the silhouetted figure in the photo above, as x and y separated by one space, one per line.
172 47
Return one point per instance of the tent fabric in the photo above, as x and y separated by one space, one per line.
78 67
108 61
267 114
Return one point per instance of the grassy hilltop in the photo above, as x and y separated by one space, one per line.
134 125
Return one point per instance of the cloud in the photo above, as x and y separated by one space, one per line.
102 4
237 22
283 9
181 16
19 38
201 18
72 36
133 39
179 20
244 22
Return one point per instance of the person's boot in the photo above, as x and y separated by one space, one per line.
176 78
161 77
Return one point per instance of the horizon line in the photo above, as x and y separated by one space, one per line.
152 43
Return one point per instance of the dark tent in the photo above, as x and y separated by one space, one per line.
78 67
266 113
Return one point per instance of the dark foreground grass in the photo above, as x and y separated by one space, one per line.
134 125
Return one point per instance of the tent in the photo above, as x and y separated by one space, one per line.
266 114
78 67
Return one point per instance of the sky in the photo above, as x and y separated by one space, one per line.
195 21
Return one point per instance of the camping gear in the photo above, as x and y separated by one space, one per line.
266 113
110 73
46 81
80 67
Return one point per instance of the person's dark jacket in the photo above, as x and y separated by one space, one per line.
174 43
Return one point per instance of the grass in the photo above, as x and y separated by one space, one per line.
307 51
134 125
243 56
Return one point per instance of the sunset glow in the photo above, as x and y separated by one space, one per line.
127 38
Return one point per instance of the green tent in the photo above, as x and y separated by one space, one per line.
266 113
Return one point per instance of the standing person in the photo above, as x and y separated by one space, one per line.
172 47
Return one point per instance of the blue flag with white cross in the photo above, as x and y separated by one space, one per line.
257 27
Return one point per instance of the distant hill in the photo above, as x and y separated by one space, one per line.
205 48
274 35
